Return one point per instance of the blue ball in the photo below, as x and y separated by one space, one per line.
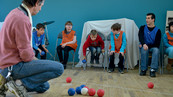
82 86
42 53
83 61
78 90
71 92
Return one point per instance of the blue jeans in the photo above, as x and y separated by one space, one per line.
169 52
154 60
95 50
35 74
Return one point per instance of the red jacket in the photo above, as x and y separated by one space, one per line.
95 43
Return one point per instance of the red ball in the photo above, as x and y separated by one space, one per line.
68 79
91 92
150 85
100 92
86 87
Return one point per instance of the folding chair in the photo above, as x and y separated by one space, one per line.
88 51
165 57
72 51
108 51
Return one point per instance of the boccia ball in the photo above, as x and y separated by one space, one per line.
84 91
91 92
82 86
150 85
78 90
42 53
100 92
71 92
86 87
68 79
83 61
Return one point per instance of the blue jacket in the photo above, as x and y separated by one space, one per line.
165 40
36 41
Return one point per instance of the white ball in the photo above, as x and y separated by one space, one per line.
84 91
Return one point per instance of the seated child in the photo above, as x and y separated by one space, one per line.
118 45
95 44
38 41
68 43
168 43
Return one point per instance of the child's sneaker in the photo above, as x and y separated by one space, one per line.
18 90
92 62
3 89
111 70
97 62
120 71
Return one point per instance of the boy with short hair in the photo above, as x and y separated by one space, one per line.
95 44
38 41
118 45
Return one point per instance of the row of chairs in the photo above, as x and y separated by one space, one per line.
161 66
88 51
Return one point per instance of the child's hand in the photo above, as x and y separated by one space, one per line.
84 57
40 51
111 53
63 45
103 50
122 54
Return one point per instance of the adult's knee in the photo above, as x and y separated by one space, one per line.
143 52
59 69
156 50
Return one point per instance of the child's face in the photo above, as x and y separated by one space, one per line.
115 31
68 27
171 28
40 31
93 37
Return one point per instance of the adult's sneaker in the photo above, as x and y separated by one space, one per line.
18 90
3 89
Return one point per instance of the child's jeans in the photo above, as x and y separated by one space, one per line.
169 52
95 50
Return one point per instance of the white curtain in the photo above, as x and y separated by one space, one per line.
104 26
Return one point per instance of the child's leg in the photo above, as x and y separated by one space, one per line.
93 51
43 56
111 64
59 51
36 52
98 51
169 52
66 54
121 61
